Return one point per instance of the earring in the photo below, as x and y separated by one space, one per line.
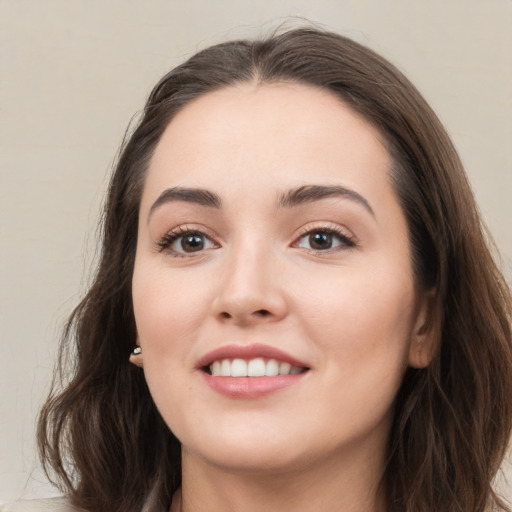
136 356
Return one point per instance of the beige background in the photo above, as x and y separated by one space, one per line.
74 72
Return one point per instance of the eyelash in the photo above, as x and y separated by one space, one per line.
347 241
166 242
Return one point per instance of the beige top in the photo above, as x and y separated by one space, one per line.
43 505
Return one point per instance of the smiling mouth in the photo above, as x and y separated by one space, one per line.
256 367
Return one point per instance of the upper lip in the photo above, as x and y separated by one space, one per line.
248 352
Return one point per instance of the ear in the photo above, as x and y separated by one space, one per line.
425 336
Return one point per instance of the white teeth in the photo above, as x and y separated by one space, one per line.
216 368
238 368
272 368
225 368
257 367
284 368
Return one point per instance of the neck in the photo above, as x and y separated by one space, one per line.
332 485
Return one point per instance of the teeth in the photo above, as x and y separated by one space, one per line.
238 368
225 368
257 367
284 368
216 368
272 368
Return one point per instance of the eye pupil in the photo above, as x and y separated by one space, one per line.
192 243
320 240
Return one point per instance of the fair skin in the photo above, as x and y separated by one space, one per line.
264 261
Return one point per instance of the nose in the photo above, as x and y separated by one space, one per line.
250 289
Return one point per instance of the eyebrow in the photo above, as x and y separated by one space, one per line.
289 199
309 193
198 196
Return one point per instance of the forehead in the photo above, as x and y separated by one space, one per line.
281 129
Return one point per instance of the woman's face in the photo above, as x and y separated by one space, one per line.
270 242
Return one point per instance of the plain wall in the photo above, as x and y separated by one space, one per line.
73 74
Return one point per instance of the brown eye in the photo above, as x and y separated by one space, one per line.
185 242
324 239
320 240
192 243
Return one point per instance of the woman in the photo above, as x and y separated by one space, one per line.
293 256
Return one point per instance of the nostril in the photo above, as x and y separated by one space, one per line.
246 316
262 312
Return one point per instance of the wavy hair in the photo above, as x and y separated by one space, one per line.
100 436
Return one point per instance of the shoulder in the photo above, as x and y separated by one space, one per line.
42 505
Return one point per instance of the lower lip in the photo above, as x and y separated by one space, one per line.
250 387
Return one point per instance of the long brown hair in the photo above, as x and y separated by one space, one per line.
100 432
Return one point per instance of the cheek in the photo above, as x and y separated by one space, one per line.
167 313
167 310
364 331
363 319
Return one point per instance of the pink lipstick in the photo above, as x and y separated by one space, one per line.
250 371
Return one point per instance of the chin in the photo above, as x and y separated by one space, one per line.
248 450
250 459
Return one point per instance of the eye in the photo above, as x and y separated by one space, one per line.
193 242
180 242
324 239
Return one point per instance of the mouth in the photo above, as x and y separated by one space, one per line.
255 367
250 371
